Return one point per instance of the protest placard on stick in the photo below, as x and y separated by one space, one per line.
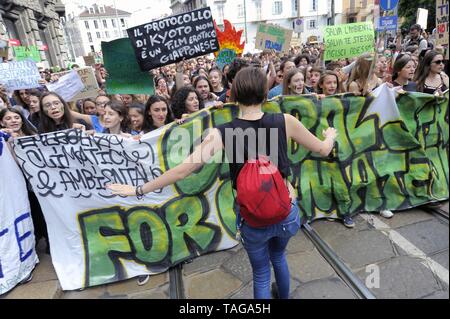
174 38
23 53
270 36
89 81
442 25
67 86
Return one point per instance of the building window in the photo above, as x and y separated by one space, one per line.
258 10
122 22
86 24
89 37
277 7
96 24
240 10
312 24
113 23
107 34
91 10
105 25
295 5
116 33
313 5
98 35
125 34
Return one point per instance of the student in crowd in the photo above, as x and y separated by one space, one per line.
429 76
286 66
35 105
416 38
302 60
157 113
136 113
55 114
93 121
204 88
329 84
21 101
116 119
359 82
4 101
13 122
127 99
161 87
186 101
294 83
263 244
88 107
315 74
403 73
216 79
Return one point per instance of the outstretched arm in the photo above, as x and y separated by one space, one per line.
301 135
211 144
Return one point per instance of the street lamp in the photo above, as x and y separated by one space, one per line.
245 21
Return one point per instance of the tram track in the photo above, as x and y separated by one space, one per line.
437 212
342 270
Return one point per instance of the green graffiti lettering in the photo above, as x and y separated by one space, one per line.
191 234
104 239
149 235
225 206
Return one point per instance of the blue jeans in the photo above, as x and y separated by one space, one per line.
268 244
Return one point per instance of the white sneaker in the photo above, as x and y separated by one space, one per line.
386 213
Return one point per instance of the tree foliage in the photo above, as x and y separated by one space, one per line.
408 10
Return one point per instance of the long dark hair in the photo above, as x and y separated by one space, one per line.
424 69
204 78
179 101
47 124
148 121
26 127
399 64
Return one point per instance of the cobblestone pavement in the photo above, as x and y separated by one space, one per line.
403 273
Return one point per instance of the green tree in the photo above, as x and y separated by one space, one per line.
407 9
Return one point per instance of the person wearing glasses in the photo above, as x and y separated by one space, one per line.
429 76
55 114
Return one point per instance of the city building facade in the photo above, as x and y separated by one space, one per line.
87 27
35 23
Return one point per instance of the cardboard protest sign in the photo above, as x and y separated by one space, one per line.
89 60
67 86
89 80
442 25
124 74
348 40
386 158
174 38
270 36
17 253
19 75
23 53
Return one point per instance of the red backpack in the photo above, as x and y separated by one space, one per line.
261 193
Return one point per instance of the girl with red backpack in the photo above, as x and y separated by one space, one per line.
268 214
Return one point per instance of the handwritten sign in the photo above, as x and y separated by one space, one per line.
90 83
19 75
270 36
23 53
442 25
89 60
174 38
67 86
348 40
124 74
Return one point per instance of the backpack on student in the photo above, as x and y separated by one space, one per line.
262 194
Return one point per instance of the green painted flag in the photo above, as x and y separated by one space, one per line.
124 74
348 40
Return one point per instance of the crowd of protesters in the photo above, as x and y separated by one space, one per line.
411 64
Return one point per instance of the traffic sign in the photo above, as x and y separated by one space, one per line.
388 4
298 25
387 24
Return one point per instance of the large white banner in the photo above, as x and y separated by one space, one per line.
17 253
97 238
